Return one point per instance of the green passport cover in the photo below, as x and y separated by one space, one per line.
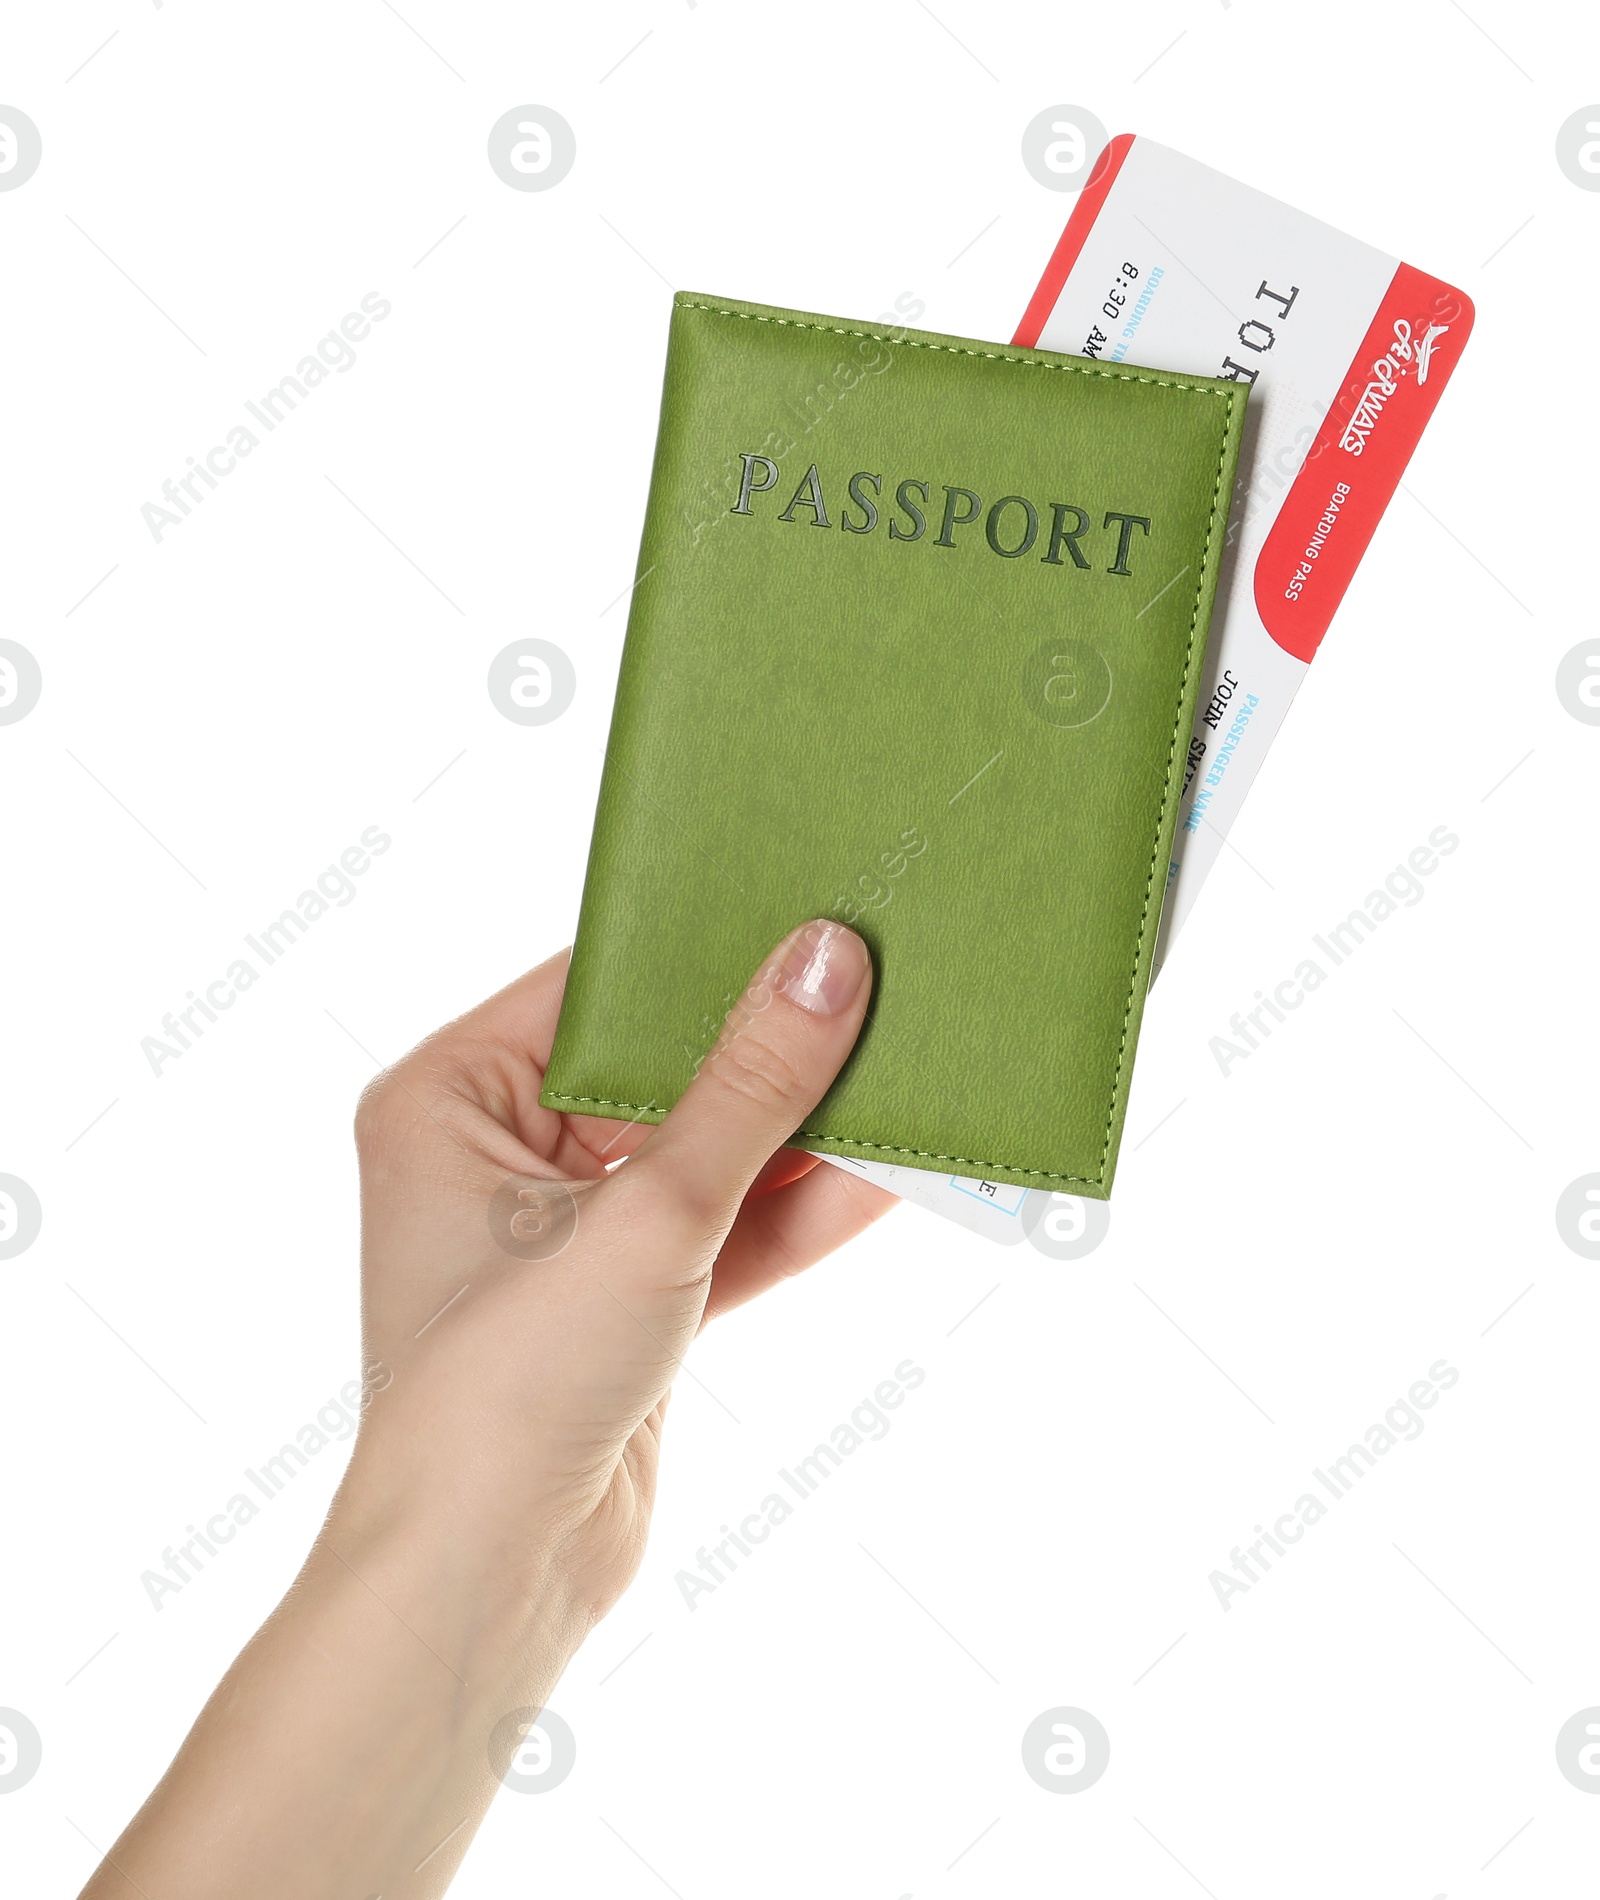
915 642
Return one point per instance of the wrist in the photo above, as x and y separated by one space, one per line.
491 1594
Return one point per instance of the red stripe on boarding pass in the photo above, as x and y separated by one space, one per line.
1102 176
1349 477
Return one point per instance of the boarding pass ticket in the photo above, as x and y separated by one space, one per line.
1344 350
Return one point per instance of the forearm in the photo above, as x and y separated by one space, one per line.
346 1752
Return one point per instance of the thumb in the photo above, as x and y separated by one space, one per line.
783 1043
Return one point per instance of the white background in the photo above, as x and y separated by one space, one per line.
1290 1249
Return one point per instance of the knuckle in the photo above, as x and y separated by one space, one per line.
381 1111
370 1112
751 1067
784 1257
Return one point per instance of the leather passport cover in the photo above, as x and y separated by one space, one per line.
915 643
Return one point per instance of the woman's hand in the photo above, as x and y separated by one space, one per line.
525 1313
532 1309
